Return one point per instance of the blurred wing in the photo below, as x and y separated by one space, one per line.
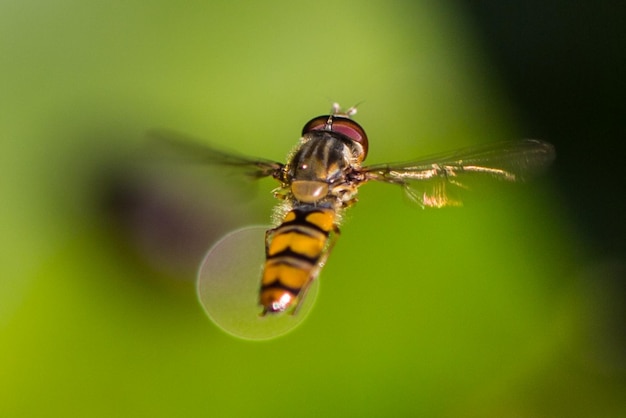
432 180
173 145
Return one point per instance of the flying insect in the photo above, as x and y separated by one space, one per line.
320 180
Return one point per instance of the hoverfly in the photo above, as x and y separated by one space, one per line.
321 179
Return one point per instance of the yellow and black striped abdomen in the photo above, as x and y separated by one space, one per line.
293 254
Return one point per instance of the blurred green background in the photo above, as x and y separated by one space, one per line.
502 308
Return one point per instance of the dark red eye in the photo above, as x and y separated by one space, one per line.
315 124
340 124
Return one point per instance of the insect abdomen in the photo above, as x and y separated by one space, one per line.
293 255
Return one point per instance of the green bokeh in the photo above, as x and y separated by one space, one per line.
454 313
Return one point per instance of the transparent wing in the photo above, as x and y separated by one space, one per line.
181 147
229 281
432 181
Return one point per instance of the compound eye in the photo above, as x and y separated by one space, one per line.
352 130
345 126
315 124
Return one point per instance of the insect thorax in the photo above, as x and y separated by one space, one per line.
317 174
